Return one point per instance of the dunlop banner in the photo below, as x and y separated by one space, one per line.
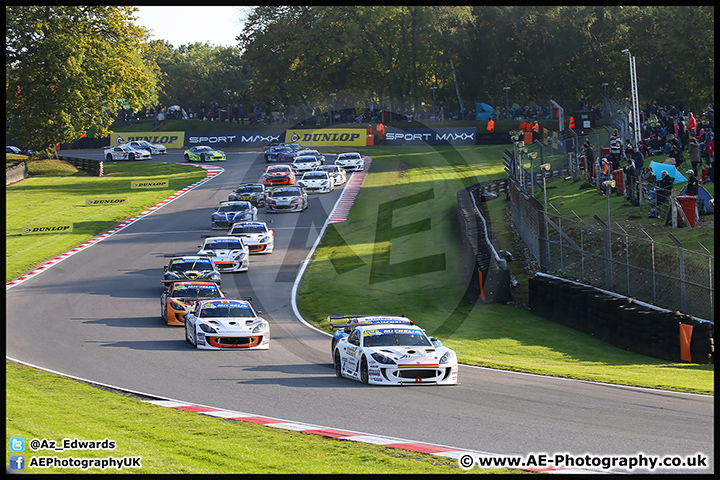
169 139
61 228
105 201
326 137
149 183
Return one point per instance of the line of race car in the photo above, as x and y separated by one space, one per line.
372 349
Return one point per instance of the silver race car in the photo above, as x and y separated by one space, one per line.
394 354
226 324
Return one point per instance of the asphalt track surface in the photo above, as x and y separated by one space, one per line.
96 316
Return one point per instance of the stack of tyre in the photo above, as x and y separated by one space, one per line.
618 320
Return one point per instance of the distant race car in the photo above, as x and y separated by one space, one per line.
279 153
286 199
256 235
350 162
229 254
231 212
308 151
125 152
394 354
226 324
250 192
155 149
338 173
304 163
179 297
278 175
317 181
190 267
203 153
13 149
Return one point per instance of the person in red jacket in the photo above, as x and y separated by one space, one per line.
692 124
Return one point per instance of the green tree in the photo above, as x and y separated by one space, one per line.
65 65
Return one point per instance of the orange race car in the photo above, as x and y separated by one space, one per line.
179 297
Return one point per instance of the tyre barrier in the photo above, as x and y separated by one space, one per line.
619 320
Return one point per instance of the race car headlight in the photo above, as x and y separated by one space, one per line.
207 328
264 239
447 358
270 201
177 306
170 275
237 254
380 358
259 328
215 276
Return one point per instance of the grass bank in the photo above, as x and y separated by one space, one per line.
398 254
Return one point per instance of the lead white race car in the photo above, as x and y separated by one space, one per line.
393 354
221 324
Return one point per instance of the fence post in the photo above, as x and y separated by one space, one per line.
682 272
608 259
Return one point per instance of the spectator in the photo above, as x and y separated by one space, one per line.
677 154
666 183
694 153
692 186
236 113
692 123
638 159
202 108
242 114
630 180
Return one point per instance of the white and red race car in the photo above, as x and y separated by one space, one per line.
226 324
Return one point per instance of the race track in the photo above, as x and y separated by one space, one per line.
96 315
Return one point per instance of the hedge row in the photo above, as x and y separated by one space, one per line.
619 321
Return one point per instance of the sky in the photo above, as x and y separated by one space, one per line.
217 25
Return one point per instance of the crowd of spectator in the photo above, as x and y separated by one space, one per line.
686 140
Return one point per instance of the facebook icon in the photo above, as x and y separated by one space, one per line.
17 462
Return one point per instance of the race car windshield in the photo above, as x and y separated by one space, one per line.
226 310
304 159
350 156
222 245
196 291
314 175
285 192
250 189
204 149
279 169
391 338
199 264
232 208
249 229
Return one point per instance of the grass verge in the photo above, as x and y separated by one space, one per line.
45 406
56 193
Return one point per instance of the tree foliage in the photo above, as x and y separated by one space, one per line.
65 65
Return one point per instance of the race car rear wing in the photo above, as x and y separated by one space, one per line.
353 320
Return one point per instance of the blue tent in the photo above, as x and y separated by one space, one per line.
658 168
483 112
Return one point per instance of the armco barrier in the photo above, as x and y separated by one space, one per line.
16 172
619 320
93 167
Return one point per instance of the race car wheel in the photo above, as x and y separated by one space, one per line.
364 371
131 157
202 157
338 365
108 157
187 157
